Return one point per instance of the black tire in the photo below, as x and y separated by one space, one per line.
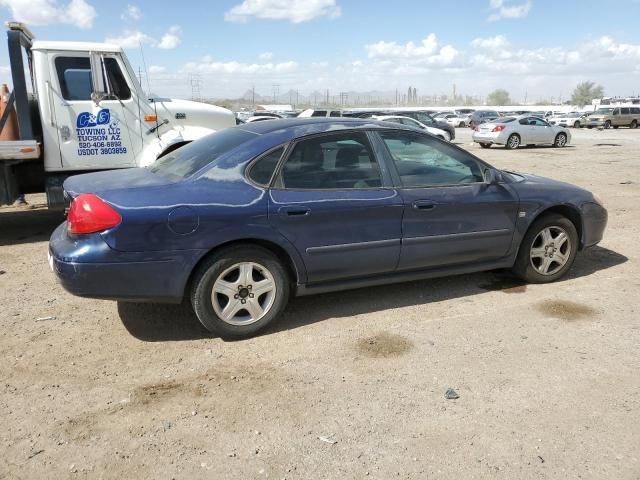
209 272
461 125
633 124
523 266
560 140
616 126
576 124
485 145
513 142
607 124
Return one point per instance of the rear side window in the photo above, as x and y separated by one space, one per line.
333 162
262 169
74 77
335 113
319 113
625 111
187 160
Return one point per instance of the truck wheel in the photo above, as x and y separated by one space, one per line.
634 124
548 249
239 291
560 141
576 124
607 124
513 142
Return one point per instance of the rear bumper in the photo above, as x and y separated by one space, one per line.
88 267
489 137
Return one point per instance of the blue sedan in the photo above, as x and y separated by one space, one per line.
239 221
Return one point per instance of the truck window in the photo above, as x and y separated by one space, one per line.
74 77
117 80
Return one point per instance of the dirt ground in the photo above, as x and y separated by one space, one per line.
346 385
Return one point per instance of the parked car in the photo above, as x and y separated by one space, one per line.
240 220
525 130
310 112
410 122
457 120
572 119
481 116
615 117
424 117
260 118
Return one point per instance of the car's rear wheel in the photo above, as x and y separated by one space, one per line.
548 249
239 291
485 145
513 141
560 140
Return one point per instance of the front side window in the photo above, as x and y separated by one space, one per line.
74 77
333 162
422 161
117 83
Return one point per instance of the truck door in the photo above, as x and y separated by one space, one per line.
89 106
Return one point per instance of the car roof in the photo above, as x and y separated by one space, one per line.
299 127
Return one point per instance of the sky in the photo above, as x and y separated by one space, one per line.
535 49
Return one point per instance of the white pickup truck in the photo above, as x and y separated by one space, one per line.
79 108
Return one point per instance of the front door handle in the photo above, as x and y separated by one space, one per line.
424 205
294 211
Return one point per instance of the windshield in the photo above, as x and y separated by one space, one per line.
604 111
187 160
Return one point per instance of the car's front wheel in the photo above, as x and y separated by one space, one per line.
485 145
548 249
576 124
633 124
607 124
560 140
239 291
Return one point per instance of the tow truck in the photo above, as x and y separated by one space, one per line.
78 107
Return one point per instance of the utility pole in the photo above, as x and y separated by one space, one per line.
253 95
195 81
327 96
276 91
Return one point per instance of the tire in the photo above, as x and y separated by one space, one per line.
461 125
560 140
607 124
225 271
576 124
485 145
513 142
633 124
616 126
533 256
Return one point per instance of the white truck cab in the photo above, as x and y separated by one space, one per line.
86 111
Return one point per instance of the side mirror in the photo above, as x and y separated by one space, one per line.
491 176
97 97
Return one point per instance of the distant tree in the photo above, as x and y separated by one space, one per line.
585 92
499 97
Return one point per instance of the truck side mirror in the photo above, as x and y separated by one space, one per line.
97 97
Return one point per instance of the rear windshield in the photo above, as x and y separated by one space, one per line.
187 160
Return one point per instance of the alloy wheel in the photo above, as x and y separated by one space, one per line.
243 293
550 250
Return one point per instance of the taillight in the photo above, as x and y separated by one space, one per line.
89 214
498 128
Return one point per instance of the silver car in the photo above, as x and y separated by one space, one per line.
523 130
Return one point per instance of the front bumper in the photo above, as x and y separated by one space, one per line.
594 222
594 123
87 267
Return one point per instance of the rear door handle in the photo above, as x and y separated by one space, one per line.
424 205
294 211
